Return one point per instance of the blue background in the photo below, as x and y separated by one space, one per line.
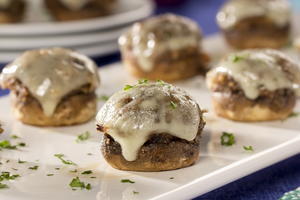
267 184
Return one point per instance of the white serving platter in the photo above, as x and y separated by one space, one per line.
22 43
217 165
92 50
39 22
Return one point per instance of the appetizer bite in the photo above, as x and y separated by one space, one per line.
11 11
255 85
255 23
52 87
150 127
167 47
66 10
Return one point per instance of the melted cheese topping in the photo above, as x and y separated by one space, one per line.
153 37
235 10
74 4
255 70
131 116
51 74
5 3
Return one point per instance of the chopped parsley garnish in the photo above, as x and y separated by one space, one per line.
135 192
3 186
21 161
88 186
237 58
7 176
227 139
14 136
57 168
84 136
161 82
127 181
171 178
67 162
5 144
22 144
294 114
173 105
93 177
143 81
76 183
73 171
50 174
87 172
248 148
128 87
103 98
34 167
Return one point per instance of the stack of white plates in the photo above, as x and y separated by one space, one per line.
93 37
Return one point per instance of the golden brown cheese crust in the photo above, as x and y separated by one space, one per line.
171 66
75 108
229 101
161 152
257 32
92 9
14 13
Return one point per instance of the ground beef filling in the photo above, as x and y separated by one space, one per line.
23 96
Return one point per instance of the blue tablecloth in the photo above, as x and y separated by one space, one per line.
267 184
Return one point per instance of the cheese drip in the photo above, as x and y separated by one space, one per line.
51 74
131 116
256 70
74 4
151 38
5 3
235 10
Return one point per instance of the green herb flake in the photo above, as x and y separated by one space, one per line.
82 137
57 168
77 183
294 114
5 144
93 177
127 87
248 148
67 162
161 82
22 144
74 171
142 81
171 178
227 139
3 186
7 176
34 167
103 98
88 186
237 58
21 161
14 169
14 137
87 172
127 181
173 105
50 174
135 192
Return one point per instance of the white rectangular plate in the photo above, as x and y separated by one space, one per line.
217 165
